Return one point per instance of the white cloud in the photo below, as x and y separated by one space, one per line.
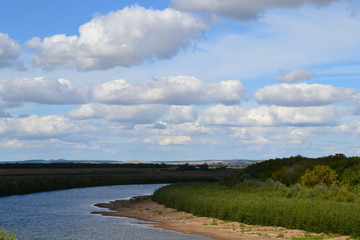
180 90
272 135
294 75
134 114
9 53
280 40
40 126
348 128
271 116
172 129
243 10
122 38
302 94
167 140
181 114
42 90
12 144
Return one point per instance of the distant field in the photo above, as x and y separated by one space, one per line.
28 178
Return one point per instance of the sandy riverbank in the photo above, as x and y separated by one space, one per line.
143 208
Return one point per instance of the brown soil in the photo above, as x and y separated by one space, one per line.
143 208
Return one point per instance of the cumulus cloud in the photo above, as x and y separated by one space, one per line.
9 53
302 94
168 140
181 114
39 126
12 144
161 128
243 10
271 116
134 114
42 90
180 90
122 38
294 75
272 135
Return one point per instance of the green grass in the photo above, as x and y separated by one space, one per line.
226 203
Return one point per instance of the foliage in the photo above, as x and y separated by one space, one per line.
270 188
186 167
42 184
5 236
290 170
79 165
203 167
319 175
351 175
228 203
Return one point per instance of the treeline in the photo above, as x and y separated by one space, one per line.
42 184
290 170
312 194
229 203
80 165
178 167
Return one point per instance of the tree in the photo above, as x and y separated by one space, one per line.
204 167
186 167
320 174
5 236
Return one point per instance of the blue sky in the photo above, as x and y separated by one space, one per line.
179 79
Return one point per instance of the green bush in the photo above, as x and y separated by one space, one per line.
320 174
5 236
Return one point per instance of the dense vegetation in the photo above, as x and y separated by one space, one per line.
15 187
313 194
32 177
222 202
6 236
79 165
290 170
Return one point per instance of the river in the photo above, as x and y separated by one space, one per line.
65 215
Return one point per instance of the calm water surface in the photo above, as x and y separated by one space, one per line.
65 215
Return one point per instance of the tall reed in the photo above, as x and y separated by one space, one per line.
222 202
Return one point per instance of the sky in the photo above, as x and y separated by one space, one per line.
179 80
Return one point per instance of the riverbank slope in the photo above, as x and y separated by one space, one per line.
143 208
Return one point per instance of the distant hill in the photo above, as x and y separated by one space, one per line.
234 162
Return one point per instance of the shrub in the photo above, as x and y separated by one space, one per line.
212 200
319 175
5 236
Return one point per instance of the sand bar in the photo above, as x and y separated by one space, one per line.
143 208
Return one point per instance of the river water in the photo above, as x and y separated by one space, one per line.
65 215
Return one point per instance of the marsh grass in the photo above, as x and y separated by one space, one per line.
229 203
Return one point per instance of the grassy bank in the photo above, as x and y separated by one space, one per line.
228 203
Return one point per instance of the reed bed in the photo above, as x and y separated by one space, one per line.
226 203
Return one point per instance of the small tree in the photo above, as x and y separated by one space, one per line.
186 167
204 167
5 236
319 175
